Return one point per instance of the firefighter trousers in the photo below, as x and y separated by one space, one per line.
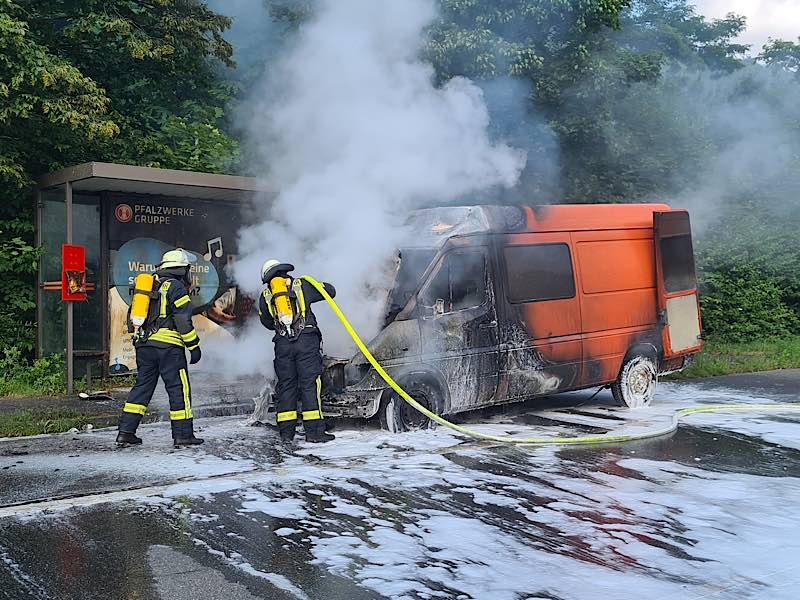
298 367
170 364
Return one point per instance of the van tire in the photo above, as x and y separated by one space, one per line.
636 385
397 416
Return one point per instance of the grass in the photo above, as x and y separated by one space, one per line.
44 377
727 358
34 422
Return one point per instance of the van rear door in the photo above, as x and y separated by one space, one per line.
678 303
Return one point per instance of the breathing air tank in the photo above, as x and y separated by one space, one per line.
280 292
140 303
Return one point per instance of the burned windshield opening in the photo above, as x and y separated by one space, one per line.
413 262
460 282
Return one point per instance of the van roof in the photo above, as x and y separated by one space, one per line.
588 217
433 226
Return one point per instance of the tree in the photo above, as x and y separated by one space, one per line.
589 65
115 80
44 100
575 71
782 54
161 64
674 29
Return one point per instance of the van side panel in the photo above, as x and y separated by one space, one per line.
618 297
542 338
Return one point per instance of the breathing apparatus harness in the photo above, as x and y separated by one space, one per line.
158 313
287 306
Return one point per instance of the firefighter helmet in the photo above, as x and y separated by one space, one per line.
177 258
272 267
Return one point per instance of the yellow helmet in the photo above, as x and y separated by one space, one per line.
177 258
272 267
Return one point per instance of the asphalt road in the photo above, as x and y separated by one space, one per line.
709 512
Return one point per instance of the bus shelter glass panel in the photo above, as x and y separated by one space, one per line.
88 316
52 235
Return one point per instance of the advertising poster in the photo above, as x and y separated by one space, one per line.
140 230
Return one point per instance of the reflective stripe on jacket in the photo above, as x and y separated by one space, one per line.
175 326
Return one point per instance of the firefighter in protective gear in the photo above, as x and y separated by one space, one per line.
161 344
284 307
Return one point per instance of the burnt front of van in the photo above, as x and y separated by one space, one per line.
444 331
446 335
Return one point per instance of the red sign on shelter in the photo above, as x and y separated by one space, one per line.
73 273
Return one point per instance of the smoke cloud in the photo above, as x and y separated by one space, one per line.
717 142
356 133
750 119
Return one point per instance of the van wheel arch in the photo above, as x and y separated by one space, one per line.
642 349
396 415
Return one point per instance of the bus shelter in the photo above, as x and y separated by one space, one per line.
126 217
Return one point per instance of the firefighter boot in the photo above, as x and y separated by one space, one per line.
127 439
316 434
183 434
287 431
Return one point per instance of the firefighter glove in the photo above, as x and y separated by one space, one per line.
194 355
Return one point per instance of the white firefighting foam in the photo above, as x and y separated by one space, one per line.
705 512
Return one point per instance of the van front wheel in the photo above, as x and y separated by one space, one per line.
636 385
397 415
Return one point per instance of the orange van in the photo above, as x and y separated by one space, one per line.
498 304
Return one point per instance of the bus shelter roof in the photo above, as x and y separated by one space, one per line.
93 177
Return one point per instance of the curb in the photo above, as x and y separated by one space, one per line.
106 420
207 411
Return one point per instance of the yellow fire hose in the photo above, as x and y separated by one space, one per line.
586 439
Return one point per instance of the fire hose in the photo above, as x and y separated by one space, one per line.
663 430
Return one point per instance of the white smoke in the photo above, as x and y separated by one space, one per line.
356 133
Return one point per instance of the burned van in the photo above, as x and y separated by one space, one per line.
502 304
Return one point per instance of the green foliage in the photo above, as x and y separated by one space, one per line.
782 54
160 64
674 29
18 261
744 303
750 275
35 422
45 377
41 94
105 80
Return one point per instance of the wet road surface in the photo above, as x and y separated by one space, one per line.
709 512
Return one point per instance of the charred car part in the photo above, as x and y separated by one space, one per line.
501 304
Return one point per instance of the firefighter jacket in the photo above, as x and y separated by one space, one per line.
302 295
169 320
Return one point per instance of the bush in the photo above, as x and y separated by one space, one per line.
749 271
744 304
45 376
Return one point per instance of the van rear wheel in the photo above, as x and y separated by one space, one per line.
397 415
636 385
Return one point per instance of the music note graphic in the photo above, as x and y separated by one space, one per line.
218 252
